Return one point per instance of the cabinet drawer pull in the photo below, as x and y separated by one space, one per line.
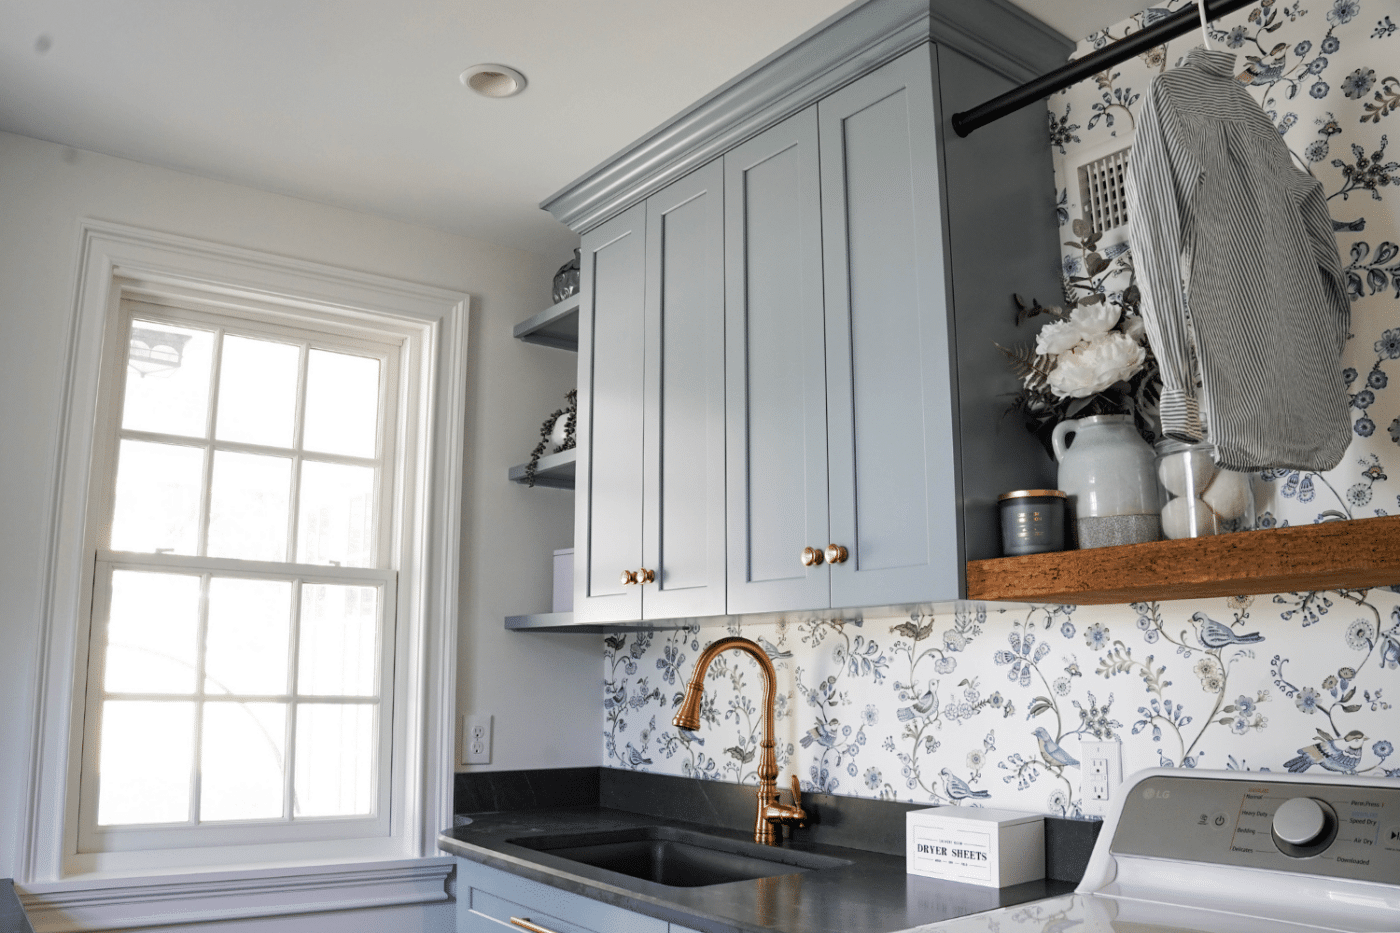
836 554
811 557
645 576
629 577
525 924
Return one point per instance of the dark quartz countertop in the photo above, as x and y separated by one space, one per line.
873 894
12 918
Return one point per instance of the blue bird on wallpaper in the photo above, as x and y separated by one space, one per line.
772 650
1258 73
635 758
1330 755
823 733
1217 635
957 789
1050 750
689 738
921 707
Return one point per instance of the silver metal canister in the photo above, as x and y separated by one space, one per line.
1032 521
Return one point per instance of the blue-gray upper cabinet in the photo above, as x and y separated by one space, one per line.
776 370
683 399
841 396
608 476
891 398
649 514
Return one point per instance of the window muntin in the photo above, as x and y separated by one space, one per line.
241 669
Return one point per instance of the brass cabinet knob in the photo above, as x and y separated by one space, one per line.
629 577
811 557
836 554
645 576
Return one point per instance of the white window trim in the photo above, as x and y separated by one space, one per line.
435 321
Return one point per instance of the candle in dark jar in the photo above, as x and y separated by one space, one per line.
1032 521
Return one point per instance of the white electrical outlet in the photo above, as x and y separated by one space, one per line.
476 740
1101 771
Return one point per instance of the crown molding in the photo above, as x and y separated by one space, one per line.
852 43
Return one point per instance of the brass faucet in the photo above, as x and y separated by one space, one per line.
771 810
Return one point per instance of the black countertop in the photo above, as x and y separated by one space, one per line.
873 894
12 918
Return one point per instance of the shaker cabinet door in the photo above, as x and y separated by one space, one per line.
683 399
893 449
608 484
776 370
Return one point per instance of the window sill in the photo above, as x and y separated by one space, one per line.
125 902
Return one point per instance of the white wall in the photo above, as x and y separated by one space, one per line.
508 531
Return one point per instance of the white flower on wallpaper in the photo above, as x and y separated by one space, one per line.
988 705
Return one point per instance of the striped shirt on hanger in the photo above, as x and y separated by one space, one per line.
1237 261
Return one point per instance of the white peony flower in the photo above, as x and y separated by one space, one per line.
1057 337
1093 320
1094 366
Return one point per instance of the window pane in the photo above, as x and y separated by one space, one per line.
157 507
257 391
342 403
167 379
336 524
247 642
143 770
152 633
248 505
339 639
335 760
240 767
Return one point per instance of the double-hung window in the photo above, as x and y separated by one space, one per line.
240 675
244 699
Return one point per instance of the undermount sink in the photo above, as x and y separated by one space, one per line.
676 857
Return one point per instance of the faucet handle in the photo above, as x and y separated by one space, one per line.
796 792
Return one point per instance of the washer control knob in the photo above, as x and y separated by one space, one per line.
1300 821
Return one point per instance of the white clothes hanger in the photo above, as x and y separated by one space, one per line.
1205 24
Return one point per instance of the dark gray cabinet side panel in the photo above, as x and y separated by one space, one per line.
776 370
891 433
1001 209
608 500
683 504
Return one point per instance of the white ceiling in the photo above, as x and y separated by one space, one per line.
356 102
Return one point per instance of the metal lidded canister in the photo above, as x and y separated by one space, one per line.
1032 521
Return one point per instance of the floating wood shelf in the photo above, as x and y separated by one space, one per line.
555 326
1327 556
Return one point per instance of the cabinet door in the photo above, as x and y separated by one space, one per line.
608 485
683 434
776 369
893 450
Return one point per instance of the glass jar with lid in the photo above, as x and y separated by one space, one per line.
1201 498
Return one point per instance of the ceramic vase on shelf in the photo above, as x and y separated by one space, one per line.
566 279
1109 474
1201 498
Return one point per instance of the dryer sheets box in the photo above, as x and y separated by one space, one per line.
993 848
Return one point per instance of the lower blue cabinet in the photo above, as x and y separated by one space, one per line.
488 899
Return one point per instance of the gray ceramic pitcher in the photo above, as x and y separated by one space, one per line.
1110 476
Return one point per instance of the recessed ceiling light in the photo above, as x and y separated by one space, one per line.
493 80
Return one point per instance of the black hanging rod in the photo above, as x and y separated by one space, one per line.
1177 24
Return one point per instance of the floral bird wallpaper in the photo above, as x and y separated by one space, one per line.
988 705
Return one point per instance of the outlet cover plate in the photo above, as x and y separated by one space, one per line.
1101 771
476 740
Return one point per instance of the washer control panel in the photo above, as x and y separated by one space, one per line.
1317 829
